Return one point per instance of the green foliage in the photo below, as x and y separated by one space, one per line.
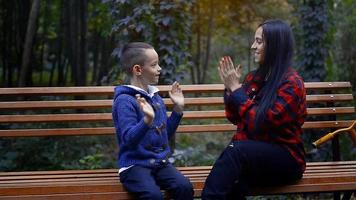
56 153
164 24
92 161
343 47
200 148
312 37
326 34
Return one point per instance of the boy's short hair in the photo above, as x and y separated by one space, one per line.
133 54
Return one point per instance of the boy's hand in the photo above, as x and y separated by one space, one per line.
177 97
146 109
229 74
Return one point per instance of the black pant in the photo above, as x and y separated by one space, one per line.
146 183
249 163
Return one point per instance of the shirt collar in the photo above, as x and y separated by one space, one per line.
151 89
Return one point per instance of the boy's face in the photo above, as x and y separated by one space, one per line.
151 69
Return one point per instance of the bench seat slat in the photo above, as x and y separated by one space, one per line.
108 176
344 183
74 196
331 177
310 166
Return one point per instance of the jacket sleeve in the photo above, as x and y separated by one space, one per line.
129 121
285 109
231 111
173 122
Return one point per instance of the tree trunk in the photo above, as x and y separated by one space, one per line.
96 48
104 75
198 41
208 42
43 40
83 55
103 62
60 40
30 34
6 27
72 38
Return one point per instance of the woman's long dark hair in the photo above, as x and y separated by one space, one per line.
278 55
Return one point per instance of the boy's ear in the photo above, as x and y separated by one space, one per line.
136 70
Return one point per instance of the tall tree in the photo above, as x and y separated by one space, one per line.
343 48
83 51
165 24
202 55
312 34
30 34
77 34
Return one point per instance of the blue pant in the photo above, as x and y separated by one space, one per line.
249 163
146 183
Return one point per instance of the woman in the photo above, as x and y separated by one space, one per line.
268 109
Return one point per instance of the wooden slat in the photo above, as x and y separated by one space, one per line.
327 124
66 179
111 185
58 132
210 114
181 129
330 111
78 104
53 91
310 166
318 98
56 118
75 196
70 104
108 90
198 101
327 85
344 167
100 90
61 180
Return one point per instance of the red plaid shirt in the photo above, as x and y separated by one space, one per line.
283 121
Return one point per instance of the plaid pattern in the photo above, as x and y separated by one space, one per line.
283 121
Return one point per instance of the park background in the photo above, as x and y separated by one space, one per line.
77 43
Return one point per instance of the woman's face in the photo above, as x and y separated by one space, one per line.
258 46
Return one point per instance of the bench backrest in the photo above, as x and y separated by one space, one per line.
74 111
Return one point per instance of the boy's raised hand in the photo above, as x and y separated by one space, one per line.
177 97
146 109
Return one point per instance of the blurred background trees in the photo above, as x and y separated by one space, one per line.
77 42
63 43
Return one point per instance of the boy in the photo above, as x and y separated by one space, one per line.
143 128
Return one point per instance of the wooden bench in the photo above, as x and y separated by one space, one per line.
204 114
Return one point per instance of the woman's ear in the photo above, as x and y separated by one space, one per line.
136 70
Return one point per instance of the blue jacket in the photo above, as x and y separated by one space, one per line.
140 144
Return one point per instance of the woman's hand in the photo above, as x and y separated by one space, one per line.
177 97
229 74
146 109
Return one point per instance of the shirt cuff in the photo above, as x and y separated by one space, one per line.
239 96
176 116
